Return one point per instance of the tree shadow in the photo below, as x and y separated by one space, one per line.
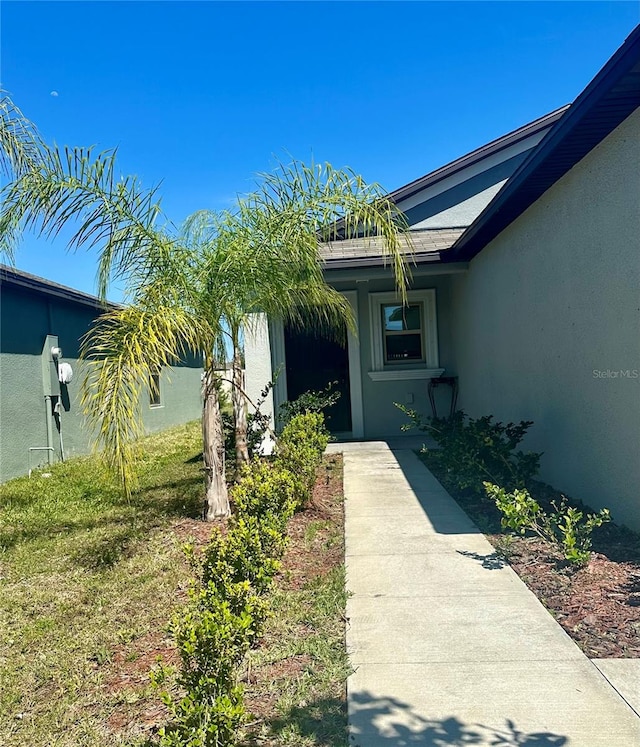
493 561
102 537
390 721
323 721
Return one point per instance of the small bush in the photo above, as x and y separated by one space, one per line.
567 527
249 552
226 610
265 490
300 449
312 401
479 450
213 634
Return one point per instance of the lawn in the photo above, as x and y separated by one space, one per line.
88 583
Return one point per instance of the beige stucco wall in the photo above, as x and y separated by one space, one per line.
546 326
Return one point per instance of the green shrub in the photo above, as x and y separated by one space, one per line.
312 401
226 610
477 450
300 449
249 552
567 527
265 490
213 634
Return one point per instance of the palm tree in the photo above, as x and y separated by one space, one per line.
199 290
188 291
170 313
265 254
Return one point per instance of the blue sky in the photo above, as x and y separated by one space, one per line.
202 95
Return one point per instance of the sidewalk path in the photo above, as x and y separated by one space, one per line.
448 646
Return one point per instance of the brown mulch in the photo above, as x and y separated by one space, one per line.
307 559
598 605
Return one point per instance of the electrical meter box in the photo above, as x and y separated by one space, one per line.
50 380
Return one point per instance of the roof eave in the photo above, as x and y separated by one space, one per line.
513 199
24 280
491 148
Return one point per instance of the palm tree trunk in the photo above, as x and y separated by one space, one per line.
239 410
216 502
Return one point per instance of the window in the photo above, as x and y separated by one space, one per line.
404 338
402 332
154 390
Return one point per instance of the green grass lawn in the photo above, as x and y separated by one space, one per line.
88 583
83 572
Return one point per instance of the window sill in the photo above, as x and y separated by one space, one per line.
408 375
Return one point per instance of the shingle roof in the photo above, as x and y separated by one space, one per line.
22 279
426 245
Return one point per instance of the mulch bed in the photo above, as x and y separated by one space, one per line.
599 604
304 560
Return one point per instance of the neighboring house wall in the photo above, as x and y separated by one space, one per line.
548 316
26 419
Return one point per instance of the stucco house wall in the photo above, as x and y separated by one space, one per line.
381 418
546 326
375 399
27 317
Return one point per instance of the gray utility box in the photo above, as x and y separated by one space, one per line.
50 380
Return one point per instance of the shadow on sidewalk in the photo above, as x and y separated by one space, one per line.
377 722
491 561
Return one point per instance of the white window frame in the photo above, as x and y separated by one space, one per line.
427 369
154 403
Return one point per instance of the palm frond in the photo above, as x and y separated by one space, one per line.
77 188
326 204
20 143
122 351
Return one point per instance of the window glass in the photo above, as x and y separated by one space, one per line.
154 390
399 318
403 334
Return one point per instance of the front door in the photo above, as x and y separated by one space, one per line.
313 361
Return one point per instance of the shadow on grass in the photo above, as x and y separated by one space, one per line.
195 459
389 721
106 531
323 722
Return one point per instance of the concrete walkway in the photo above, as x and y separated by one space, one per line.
448 646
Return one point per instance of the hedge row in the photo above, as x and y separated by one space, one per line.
227 607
